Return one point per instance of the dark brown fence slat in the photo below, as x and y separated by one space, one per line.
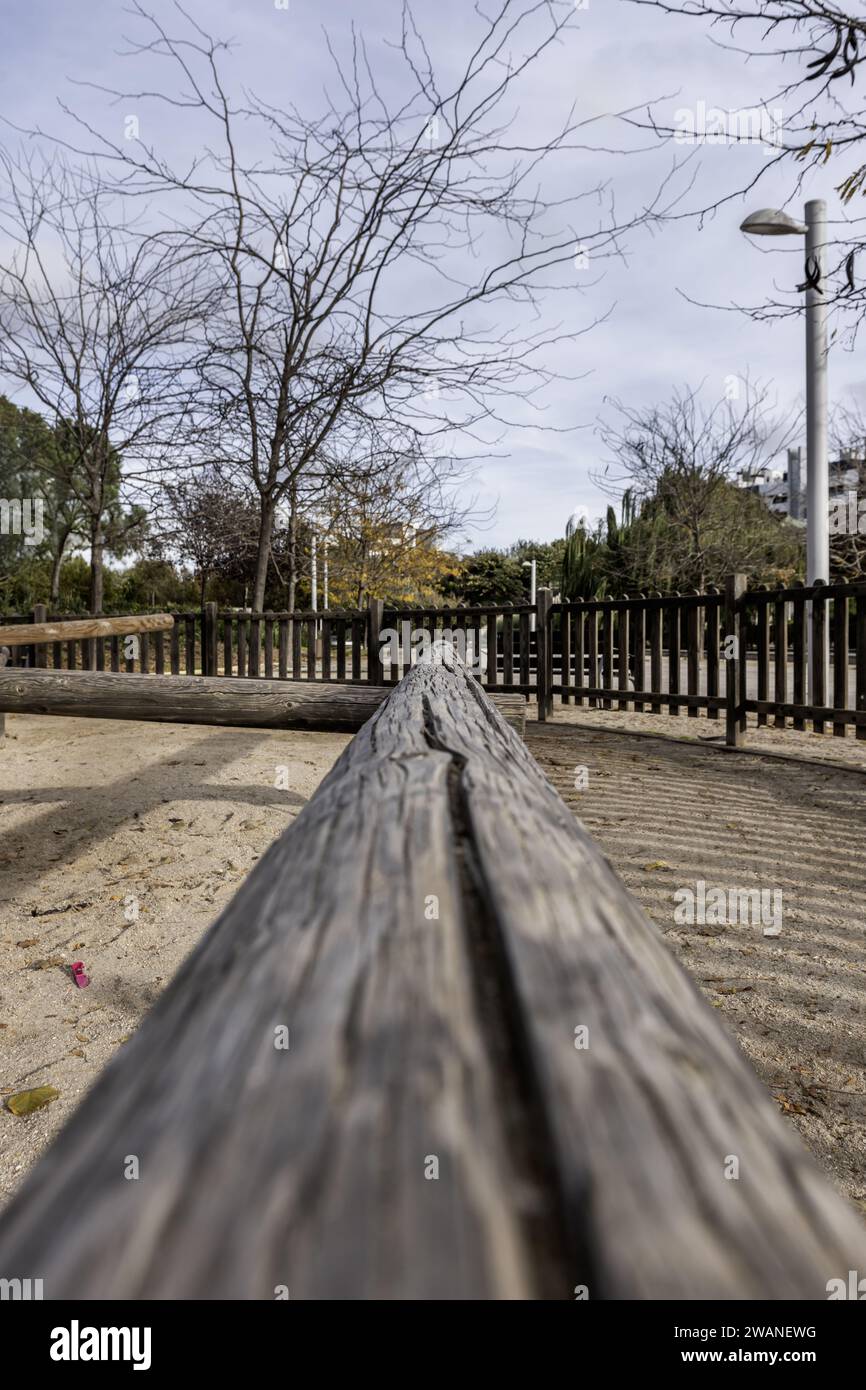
297 634
735 656
492 660
189 655
39 652
523 626
655 637
818 693
780 655
394 665
622 654
508 647
592 649
269 646
57 655
283 649
144 654
159 653
375 625
242 645
358 629
713 643
115 654
798 624
763 655
639 646
694 643
565 655
311 626
607 655
673 656
840 661
326 649
228 619
579 646
341 648
255 647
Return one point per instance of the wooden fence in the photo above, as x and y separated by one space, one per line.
330 645
452 1060
738 652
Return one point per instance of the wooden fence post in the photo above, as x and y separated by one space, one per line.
375 616
39 652
735 587
209 639
543 653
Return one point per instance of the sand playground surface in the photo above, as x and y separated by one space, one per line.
121 842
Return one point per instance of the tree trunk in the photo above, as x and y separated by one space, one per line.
56 566
263 552
293 548
97 547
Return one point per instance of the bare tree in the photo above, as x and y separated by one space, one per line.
93 316
382 263
389 512
818 118
674 465
208 521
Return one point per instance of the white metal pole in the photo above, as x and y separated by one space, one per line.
314 575
325 575
532 593
817 468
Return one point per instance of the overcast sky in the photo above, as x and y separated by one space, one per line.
620 55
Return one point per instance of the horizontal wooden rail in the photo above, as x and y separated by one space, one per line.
432 1049
202 699
650 603
76 629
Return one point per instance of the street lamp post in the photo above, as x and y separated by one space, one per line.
770 222
530 565
314 574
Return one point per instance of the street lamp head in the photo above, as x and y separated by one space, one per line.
771 222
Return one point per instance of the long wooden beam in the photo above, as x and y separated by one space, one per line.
251 703
73 629
433 1049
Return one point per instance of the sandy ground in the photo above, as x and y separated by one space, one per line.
668 813
165 821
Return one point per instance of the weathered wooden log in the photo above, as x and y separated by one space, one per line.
432 1049
74 629
238 701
